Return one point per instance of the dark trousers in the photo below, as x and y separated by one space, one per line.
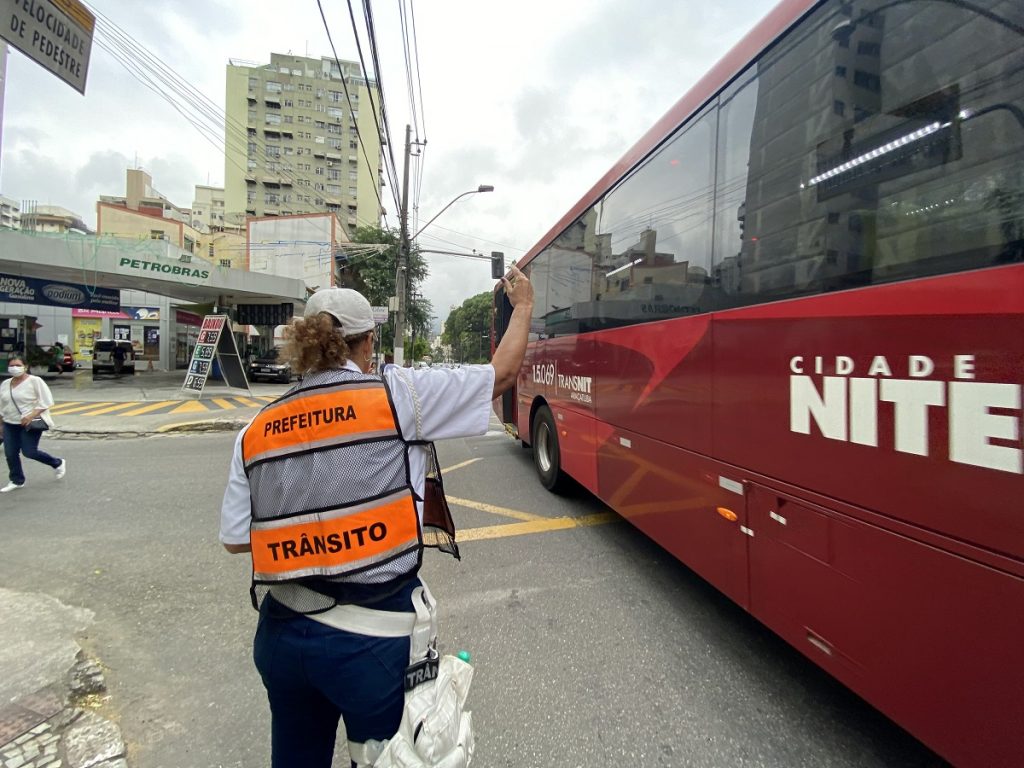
315 675
17 441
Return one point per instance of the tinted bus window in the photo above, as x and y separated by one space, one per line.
572 260
655 234
877 146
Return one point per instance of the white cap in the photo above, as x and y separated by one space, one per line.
348 307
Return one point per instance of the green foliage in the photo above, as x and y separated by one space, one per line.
373 275
468 329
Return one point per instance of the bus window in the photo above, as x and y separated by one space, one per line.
871 147
656 229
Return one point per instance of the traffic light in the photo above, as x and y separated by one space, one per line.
497 265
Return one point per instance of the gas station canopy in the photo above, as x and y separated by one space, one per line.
90 263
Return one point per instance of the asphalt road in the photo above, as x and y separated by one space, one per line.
592 646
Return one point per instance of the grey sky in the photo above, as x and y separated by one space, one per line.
538 98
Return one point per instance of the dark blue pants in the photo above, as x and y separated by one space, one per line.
315 674
17 441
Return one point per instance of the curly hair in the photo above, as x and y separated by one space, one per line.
314 344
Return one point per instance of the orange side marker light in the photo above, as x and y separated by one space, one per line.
728 514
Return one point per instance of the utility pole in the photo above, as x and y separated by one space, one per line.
403 257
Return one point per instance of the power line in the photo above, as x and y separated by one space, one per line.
183 97
373 111
368 17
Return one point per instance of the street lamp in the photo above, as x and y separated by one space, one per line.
481 188
403 254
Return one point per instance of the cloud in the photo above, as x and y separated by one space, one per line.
539 99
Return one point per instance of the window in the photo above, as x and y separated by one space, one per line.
272 86
811 198
223 262
334 112
648 255
273 119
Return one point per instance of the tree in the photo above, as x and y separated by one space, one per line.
468 329
373 275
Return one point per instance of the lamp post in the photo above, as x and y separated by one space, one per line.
403 249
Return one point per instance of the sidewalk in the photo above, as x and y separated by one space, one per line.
150 402
47 687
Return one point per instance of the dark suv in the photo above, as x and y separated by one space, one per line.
103 360
270 365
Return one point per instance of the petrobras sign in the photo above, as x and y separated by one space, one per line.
31 290
840 398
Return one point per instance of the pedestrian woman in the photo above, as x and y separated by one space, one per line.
25 397
325 490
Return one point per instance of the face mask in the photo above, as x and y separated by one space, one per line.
15 370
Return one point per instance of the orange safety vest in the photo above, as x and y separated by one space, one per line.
330 491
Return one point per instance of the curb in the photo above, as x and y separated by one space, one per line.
57 726
208 425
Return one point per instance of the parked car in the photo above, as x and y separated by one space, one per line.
271 365
103 359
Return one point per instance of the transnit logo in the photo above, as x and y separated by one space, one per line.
842 401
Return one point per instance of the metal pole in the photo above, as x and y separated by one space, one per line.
403 257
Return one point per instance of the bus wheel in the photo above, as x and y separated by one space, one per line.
546 456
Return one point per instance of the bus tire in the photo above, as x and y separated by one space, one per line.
546 456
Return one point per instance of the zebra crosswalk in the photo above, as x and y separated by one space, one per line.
157 407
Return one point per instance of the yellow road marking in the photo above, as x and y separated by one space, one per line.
193 406
76 407
225 404
148 408
56 407
109 409
246 401
504 511
459 466
536 526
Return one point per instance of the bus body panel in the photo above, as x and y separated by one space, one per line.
905 412
929 638
680 500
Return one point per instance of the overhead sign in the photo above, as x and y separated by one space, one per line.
174 269
31 290
215 342
57 34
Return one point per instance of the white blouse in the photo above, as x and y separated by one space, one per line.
31 393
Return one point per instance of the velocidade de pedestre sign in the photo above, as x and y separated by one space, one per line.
56 34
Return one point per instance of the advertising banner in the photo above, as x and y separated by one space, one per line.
31 290
215 342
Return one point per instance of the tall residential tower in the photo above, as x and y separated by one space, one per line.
301 138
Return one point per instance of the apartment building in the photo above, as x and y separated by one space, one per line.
10 213
208 207
301 138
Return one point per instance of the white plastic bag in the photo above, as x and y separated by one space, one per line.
436 731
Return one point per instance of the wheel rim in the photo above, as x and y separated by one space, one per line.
544 448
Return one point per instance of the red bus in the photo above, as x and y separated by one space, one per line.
784 337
